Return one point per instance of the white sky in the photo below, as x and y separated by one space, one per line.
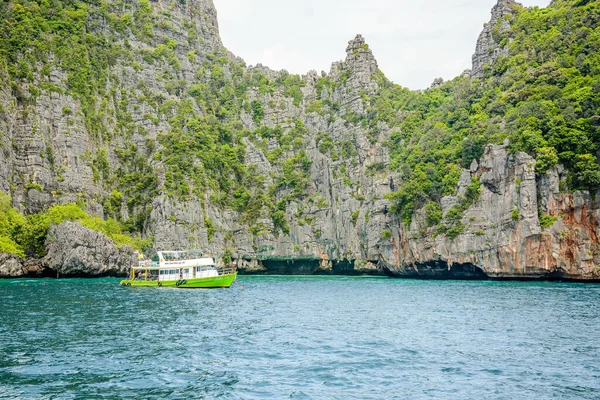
413 41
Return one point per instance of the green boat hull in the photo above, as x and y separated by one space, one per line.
214 282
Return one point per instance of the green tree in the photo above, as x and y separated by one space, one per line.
587 171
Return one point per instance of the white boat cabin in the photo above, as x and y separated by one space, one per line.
175 266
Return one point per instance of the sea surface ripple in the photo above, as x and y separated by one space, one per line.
301 338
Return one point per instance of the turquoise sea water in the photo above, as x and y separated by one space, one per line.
301 338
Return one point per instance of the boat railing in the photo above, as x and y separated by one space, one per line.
226 270
146 278
148 263
222 270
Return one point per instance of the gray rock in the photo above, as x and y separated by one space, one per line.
344 220
503 237
11 266
488 49
74 250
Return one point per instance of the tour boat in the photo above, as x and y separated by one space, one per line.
181 269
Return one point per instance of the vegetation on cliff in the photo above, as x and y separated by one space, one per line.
26 235
544 96
202 150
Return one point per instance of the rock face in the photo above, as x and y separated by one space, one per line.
489 46
341 224
74 250
344 217
11 266
503 237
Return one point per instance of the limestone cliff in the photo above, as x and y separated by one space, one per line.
503 236
110 151
490 44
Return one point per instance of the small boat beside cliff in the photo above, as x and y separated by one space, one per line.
189 269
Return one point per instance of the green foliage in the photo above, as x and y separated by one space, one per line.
473 191
258 111
324 142
27 235
295 174
279 220
100 166
546 159
434 213
112 205
11 222
315 107
292 85
544 96
35 186
547 221
515 214
355 216
386 234
323 83
455 231
453 220
211 229
587 171
7 245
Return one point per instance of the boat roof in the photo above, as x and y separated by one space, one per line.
180 251
156 268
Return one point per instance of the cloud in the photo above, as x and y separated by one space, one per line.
414 42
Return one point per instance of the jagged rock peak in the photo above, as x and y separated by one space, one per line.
437 82
488 50
358 70
356 44
502 8
359 56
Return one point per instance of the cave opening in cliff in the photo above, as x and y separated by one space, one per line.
343 267
306 266
467 271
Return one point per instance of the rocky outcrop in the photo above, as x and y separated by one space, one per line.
489 45
503 237
11 266
74 250
339 220
341 223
